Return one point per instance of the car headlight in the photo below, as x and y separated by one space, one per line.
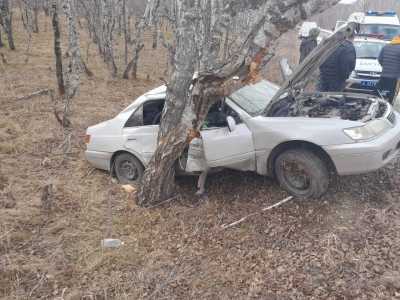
368 131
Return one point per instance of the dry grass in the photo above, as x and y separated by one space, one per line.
337 248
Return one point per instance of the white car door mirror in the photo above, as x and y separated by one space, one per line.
231 123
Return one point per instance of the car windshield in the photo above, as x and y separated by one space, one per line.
387 32
254 98
369 50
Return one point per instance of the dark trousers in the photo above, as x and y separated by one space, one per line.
325 85
389 85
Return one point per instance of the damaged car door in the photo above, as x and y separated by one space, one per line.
227 141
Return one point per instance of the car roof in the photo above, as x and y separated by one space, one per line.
157 91
374 18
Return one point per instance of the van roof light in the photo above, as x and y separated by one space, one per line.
381 14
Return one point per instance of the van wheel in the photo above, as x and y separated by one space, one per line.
128 168
302 173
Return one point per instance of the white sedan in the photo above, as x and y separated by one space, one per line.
300 139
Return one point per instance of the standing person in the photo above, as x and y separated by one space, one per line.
309 43
389 59
337 68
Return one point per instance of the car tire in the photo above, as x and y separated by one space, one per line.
128 169
302 173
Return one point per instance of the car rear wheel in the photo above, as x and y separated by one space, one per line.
302 173
128 168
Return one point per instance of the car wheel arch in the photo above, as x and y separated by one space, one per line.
298 144
112 166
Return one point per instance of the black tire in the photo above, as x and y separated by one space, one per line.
312 178
128 169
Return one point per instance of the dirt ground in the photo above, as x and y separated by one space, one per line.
344 246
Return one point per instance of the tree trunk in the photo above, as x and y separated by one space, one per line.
1 40
36 20
155 37
132 67
148 17
125 28
57 49
137 48
226 44
158 180
6 18
108 34
185 109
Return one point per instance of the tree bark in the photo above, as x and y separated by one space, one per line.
108 36
148 18
185 109
155 37
6 19
138 46
125 29
57 49
36 19
1 40
158 180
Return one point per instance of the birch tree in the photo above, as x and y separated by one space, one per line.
198 44
138 42
57 47
74 68
6 21
101 17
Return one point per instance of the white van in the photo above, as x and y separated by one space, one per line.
368 70
382 25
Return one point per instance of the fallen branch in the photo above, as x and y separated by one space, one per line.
46 92
226 226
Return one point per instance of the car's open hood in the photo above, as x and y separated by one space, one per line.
302 74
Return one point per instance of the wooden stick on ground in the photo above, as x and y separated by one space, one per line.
35 94
226 226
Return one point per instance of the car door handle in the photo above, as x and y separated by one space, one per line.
131 139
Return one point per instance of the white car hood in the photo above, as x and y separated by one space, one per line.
368 65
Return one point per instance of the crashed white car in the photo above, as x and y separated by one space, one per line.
300 139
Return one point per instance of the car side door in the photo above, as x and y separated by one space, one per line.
140 135
231 149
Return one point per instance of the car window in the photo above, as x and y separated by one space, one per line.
147 114
369 50
216 117
387 32
254 98
150 114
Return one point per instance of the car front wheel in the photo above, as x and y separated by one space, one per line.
128 168
302 173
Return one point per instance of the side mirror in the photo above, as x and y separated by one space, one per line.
231 123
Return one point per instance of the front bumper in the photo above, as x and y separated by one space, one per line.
364 157
99 160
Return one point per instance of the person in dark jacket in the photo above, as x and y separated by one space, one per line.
389 59
308 44
337 68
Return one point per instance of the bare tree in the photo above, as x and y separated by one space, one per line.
57 48
6 21
198 44
101 17
138 43
1 40
73 70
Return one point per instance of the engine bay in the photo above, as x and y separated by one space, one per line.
351 107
